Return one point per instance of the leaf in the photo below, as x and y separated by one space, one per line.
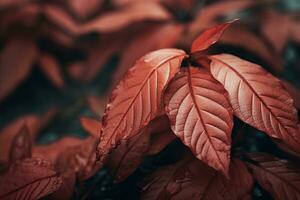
34 123
237 35
279 177
209 15
278 37
201 116
191 179
136 100
29 179
80 158
152 38
21 145
84 8
251 94
92 126
51 69
126 158
67 188
159 141
51 151
209 37
116 20
16 61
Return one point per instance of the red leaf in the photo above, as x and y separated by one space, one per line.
21 145
191 179
34 124
159 141
119 19
92 126
29 179
154 38
209 37
294 92
51 151
51 69
84 8
251 93
67 188
276 27
126 158
80 158
279 177
136 100
201 116
16 61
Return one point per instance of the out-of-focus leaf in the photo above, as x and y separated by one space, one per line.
279 177
137 99
84 8
29 179
152 38
192 179
251 93
16 61
92 126
51 69
34 124
97 104
201 116
21 145
80 158
294 92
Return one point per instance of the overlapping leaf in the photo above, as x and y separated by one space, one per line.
136 100
191 179
201 116
258 98
279 177
29 179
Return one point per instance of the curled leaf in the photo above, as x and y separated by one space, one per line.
201 116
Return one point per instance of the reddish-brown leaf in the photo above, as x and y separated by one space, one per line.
137 99
67 188
84 8
153 38
201 116
21 145
92 126
279 177
193 180
276 27
209 15
51 69
16 61
258 98
51 151
80 158
126 158
34 124
295 31
116 20
159 141
29 179
209 37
